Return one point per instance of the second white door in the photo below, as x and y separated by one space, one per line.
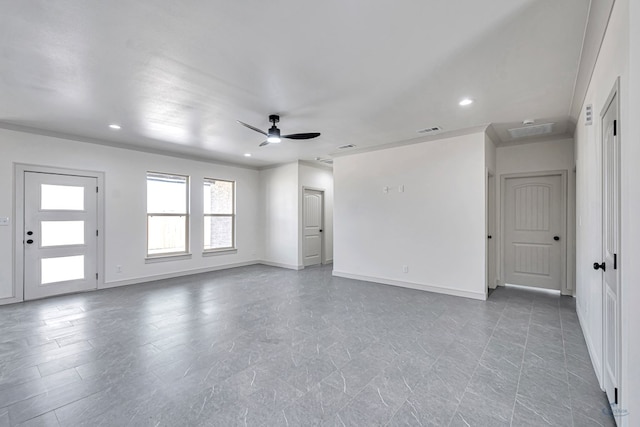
534 238
312 223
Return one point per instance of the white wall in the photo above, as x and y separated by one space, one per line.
318 178
555 155
631 226
436 226
619 56
280 200
620 51
125 205
612 62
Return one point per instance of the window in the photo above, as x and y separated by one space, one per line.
219 214
167 214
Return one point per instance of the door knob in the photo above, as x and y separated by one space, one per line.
556 238
597 266
321 231
29 233
29 241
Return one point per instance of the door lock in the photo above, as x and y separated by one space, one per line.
597 266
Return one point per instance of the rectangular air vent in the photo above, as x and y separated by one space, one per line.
430 129
344 147
535 130
588 115
327 161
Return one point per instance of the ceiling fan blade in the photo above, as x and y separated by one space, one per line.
302 135
263 144
252 127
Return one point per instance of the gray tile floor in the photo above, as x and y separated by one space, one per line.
265 346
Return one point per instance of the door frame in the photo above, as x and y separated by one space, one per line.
18 203
563 222
490 226
323 259
614 93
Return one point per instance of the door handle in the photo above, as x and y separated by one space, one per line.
489 236
29 233
556 238
321 231
597 266
29 241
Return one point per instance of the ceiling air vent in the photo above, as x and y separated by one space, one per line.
588 115
327 161
535 130
344 147
431 129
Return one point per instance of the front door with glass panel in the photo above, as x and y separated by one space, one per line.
60 234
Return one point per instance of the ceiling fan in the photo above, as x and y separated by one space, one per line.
273 134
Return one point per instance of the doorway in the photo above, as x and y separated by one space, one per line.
610 245
313 223
57 231
534 220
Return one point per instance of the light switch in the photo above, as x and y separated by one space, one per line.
385 189
4 220
401 188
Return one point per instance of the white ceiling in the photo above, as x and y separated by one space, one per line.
177 75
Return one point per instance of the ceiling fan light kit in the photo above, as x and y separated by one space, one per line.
274 136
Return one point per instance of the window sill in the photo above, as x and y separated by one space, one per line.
220 252
165 258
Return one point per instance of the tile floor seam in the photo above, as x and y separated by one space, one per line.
566 367
526 341
474 370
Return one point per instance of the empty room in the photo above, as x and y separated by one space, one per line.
319 213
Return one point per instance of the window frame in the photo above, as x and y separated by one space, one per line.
187 216
232 215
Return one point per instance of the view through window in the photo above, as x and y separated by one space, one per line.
167 214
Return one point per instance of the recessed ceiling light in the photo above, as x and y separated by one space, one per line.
466 101
115 126
247 154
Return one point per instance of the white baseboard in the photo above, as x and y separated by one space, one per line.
281 265
9 300
595 361
328 261
411 285
117 283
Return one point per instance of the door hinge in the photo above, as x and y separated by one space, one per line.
615 261
96 232
96 189
615 393
615 127
96 276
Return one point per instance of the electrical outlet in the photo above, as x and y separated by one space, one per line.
405 268
401 189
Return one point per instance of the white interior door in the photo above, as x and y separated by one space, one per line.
534 242
60 234
611 241
312 222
